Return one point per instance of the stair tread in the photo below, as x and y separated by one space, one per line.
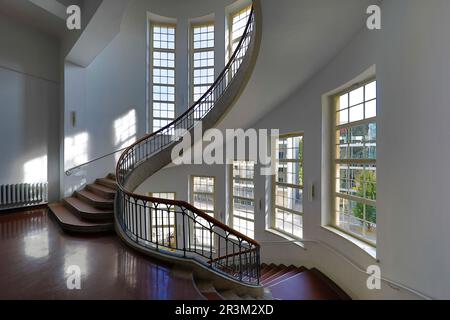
85 207
66 217
303 286
271 272
212 295
107 182
278 274
283 277
102 188
229 295
95 197
208 290
341 293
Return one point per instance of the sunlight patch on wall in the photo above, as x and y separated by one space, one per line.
125 131
35 171
75 150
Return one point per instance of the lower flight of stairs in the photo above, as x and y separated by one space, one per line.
90 210
282 283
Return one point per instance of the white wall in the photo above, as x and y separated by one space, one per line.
29 103
411 57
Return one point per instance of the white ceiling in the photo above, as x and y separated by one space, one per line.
299 38
44 15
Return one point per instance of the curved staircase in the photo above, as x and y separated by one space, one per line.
224 263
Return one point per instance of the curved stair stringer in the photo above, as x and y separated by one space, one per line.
144 169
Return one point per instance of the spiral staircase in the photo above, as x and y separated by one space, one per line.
223 263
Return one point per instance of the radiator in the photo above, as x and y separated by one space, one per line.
23 195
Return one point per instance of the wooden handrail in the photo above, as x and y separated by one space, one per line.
231 255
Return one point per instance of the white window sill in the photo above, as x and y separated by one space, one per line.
287 238
367 248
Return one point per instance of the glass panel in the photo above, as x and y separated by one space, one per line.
239 21
357 113
203 36
163 76
371 91
357 179
343 102
342 117
243 187
289 222
357 96
204 184
371 109
204 202
289 198
164 37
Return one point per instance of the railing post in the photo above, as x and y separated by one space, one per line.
184 232
240 259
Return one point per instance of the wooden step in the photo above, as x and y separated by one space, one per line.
70 222
229 295
101 190
85 211
110 183
265 268
285 276
303 286
111 176
341 293
280 273
207 289
94 199
272 272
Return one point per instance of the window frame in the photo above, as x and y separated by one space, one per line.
192 52
334 161
174 226
212 213
274 187
152 48
230 17
232 180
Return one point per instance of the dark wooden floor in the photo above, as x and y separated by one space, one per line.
35 253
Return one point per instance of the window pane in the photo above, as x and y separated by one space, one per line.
163 75
355 175
288 197
371 91
203 194
243 197
203 61
357 96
